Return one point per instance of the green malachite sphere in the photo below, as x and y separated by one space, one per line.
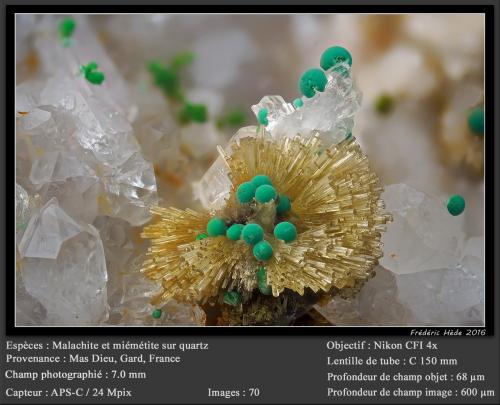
252 233
245 192
261 179
264 288
234 231
476 120
156 314
201 236
216 227
285 231
263 250
333 56
262 116
455 205
284 204
297 103
265 193
312 80
232 298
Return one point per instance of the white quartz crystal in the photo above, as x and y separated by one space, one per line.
131 189
78 154
24 208
85 47
277 108
449 296
423 234
376 304
329 113
64 268
214 187
129 292
86 151
29 310
47 231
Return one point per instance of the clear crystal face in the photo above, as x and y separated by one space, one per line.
85 47
448 296
431 276
87 149
329 113
29 310
81 161
24 208
64 267
47 231
423 235
214 186
376 304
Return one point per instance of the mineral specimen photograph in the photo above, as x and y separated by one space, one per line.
302 170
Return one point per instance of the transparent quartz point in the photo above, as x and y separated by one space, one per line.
215 185
88 149
64 268
277 108
329 113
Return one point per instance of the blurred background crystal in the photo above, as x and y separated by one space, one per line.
91 159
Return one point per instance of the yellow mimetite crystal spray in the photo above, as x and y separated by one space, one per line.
300 220
335 207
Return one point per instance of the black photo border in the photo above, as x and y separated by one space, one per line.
490 10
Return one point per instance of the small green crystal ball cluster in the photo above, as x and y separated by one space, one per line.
314 80
261 190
